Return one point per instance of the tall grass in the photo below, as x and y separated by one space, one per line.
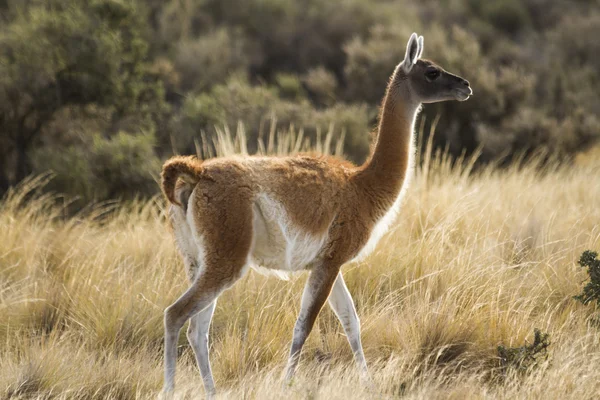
273 143
475 260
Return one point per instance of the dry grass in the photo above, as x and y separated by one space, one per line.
473 262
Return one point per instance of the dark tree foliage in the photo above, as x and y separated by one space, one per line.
57 55
78 77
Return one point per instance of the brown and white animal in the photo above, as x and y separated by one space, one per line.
294 213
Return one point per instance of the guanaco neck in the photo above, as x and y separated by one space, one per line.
382 176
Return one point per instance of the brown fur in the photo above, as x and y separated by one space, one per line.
321 196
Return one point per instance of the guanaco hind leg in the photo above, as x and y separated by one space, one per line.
198 298
226 238
197 335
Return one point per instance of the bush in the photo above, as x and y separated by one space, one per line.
125 164
572 49
522 359
99 168
350 120
210 59
227 104
591 291
60 55
372 61
295 36
322 85
510 16
290 87
257 107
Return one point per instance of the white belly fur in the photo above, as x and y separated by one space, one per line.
280 247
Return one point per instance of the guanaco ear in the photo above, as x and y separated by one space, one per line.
412 53
420 41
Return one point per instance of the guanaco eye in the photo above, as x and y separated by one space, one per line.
432 74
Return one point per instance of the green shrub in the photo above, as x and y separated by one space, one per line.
351 120
322 85
575 53
227 104
591 291
210 59
71 169
510 16
295 36
99 168
370 62
125 165
61 55
257 107
522 359
290 87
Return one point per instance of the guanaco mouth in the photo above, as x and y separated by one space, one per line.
463 94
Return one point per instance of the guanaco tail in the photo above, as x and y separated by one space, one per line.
294 213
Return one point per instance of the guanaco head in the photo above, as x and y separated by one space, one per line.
426 82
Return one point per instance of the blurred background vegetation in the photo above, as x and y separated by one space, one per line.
100 91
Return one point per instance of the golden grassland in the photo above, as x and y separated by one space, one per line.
474 261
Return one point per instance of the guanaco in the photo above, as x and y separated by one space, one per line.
294 213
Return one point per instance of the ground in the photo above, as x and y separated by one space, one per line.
474 261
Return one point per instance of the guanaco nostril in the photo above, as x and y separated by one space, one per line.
465 82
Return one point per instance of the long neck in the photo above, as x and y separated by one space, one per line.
385 172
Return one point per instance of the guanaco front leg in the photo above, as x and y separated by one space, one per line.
315 294
341 302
